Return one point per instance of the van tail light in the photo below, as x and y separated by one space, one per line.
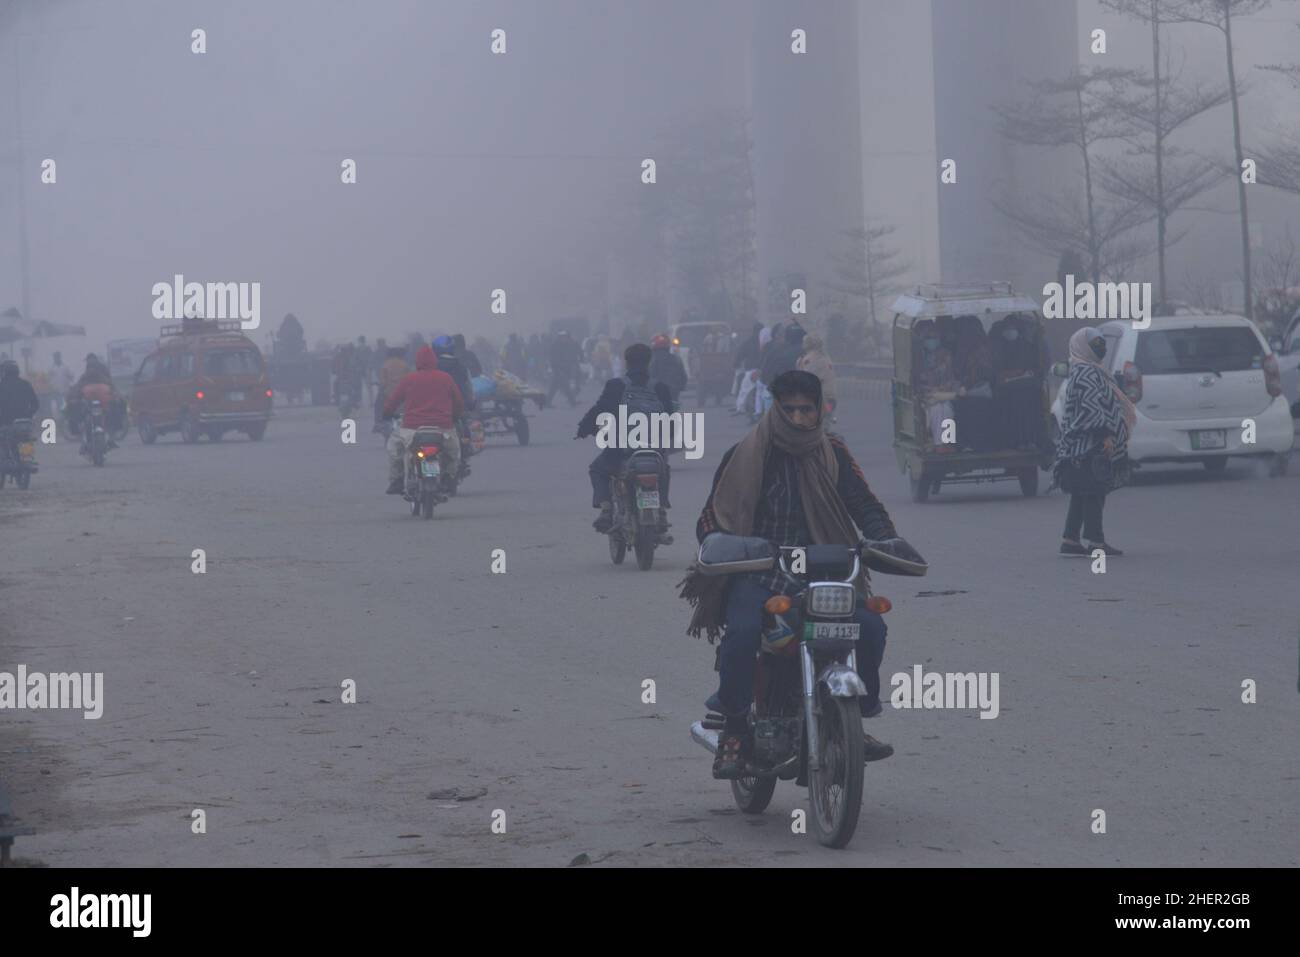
427 452
1272 376
199 394
648 481
1132 382
268 393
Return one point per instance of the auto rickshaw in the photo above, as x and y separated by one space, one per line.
975 406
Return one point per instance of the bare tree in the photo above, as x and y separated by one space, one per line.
869 271
1161 104
1073 112
1220 14
1279 160
1102 233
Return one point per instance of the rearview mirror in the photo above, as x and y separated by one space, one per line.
1060 369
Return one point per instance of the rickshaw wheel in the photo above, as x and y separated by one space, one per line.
1028 482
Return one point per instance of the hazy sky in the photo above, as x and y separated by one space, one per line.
474 171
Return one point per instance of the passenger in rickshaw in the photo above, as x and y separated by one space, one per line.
935 381
973 407
1017 397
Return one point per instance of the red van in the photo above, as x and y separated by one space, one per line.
205 378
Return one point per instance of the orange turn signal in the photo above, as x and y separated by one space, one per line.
879 604
777 604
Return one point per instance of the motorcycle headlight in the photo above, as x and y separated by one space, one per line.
834 600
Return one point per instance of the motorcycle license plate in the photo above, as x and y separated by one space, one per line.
235 396
646 499
429 469
835 629
1210 439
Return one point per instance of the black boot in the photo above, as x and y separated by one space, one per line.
395 487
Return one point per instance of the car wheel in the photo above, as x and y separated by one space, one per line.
189 430
144 426
1277 466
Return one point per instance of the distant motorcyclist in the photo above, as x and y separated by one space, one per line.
390 374
95 383
17 397
640 393
566 356
667 367
444 347
430 399
466 356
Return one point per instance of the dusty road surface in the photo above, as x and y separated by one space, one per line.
522 692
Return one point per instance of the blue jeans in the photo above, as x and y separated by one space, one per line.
741 640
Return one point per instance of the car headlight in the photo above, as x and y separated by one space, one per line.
835 600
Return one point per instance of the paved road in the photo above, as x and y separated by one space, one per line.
1118 691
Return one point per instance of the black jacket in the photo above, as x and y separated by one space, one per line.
453 367
609 401
668 369
17 399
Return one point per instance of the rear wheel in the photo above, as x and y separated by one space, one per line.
645 552
1215 466
148 434
1278 465
521 428
1028 482
97 449
617 549
189 430
426 503
835 789
256 432
753 794
215 435
920 486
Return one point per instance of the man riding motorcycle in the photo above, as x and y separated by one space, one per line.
666 366
793 484
96 382
430 399
444 347
639 393
17 397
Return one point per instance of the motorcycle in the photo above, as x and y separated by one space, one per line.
17 453
639 521
424 481
95 440
806 721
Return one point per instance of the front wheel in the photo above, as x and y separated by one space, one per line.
148 434
427 499
645 551
617 549
97 451
753 794
835 789
1277 467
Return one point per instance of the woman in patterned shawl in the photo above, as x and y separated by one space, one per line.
1098 420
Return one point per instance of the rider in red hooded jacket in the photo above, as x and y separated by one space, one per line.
430 400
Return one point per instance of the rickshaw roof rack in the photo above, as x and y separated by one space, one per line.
196 327
929 300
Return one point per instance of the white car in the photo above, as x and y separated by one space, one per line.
1287 349
1196 381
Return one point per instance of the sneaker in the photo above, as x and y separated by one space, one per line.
1108 550
1073 549
605 521
395 488
729 762
875 750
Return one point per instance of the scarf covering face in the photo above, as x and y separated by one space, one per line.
1081 354
736 499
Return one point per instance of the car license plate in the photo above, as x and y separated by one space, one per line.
835 629
1210 439
647 499
236 396
429 469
